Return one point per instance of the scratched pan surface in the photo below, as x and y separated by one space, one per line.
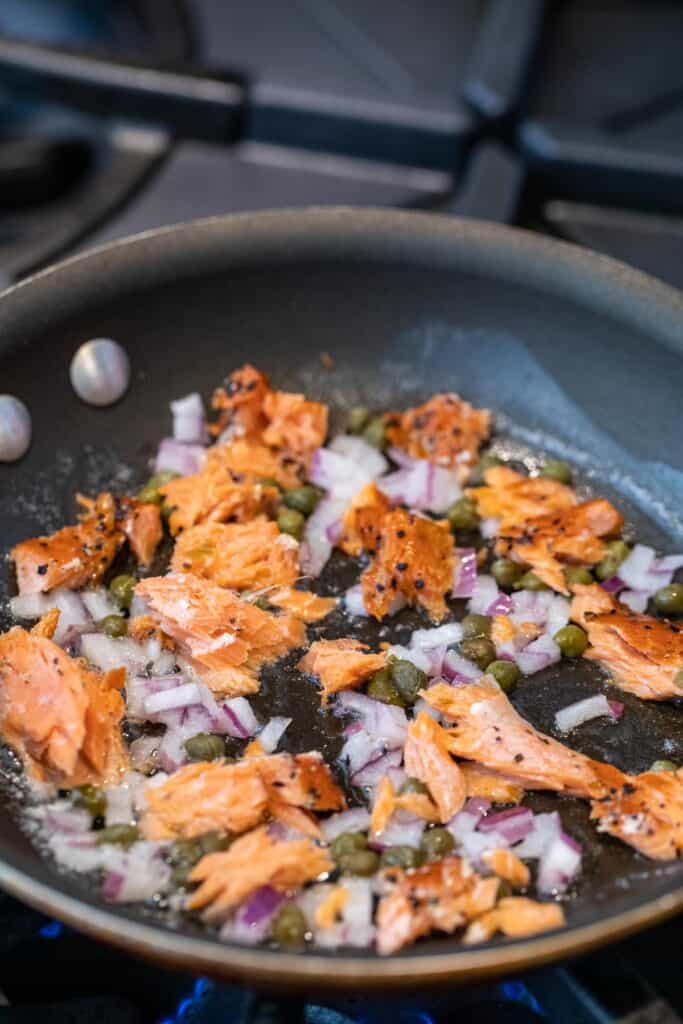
577 355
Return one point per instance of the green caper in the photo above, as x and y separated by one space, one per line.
578 574
375 434
122 589
301 499
405 857
506 572
463 515
505 673
151 492
289 926
437 843
408 679
214 841
262 603
270 481
382 687
476 477
182 856
113 625
530 581
504 889
90 799
204 747
359 862
480 650
669 600
475 625
678 679
556 469
663 766
290 521
358 420
571 640
617 551
348 842
413 785
119 835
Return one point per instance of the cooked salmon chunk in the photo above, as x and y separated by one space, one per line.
213 495
387 801
226 639
363 521
515 917
254 860
491 786
62 718
507 866
73 557
645 811
573 535
442 896
340 664
446 430
302 604
240 402
253 462
241 556
514 499
643 654
415 559
141 523
426 757
303 780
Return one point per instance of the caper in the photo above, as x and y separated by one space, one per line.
359 862
182 856
374 433
262 603
290 521
413 785
504 889
617 551
556 469
572 640
663 766
530 581
119 835
122 589
405 857
358 420
348 842
476 477
480 650
463 515
669 600
204 747
437 843
505 673
270 481
113 625
382 687
289 926
506 572
408 679
151 492
678 679
301 499
475 625
578 574
90 799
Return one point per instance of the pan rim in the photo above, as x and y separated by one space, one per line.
596 282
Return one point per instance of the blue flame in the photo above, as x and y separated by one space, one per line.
185 1010
51 930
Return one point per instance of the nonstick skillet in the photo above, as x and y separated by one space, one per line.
577 355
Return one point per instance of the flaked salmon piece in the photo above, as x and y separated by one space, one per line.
513 498
643 654
226 639
327 914
302 604
416 559
61 717
387 801
142 628
295 818
506 865
296 425
426 757
488 730
446 430
573 535
645 811
491 786
303 780
240 403
213 496
74 556
253 462
141 523
441 896
515 917
363 521
252 861
47 625
340 664
242 556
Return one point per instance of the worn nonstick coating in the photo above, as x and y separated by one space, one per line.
406 304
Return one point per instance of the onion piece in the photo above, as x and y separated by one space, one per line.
404 829
354 601
584 710
539 654
251 922
613 585
371 773
423 486
545 828
99 603
488 528
501 606
465 573
106 653
357 819
459 670
175 697
513 824
62 817
341 476
272 732
354 926
559 864
189 419
385 722
316 546
636 600
484 594
119 805
242 722
361 453
175 457
138 873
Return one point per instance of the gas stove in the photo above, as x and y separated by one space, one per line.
562 116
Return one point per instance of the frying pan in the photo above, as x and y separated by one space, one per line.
576 353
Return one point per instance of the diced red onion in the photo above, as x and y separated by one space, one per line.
337 474
513 824
361 453
668 563
636 600
354 601
177 697
501 606
74 617
242 718
484 593
613 585
400 457
539 654
478 805
106 653
139 872
372 772
334 531
316 547
465 573
99 603
251 922
545 828
421 659
189 420
385 722
422 486
404 829
75 852
585 710
457 669
354 927
357 819
421 706
559 864
61 817
119 805
181 725
175 457
488 528
643 571
549 611
397 776
140 688
272 733
359 750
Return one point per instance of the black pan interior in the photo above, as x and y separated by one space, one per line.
400 321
